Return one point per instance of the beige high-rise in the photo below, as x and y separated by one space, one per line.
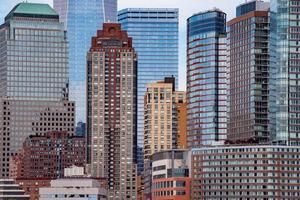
161 116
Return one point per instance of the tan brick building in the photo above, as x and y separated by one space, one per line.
161 116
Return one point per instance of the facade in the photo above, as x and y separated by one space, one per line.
34 82
147 180
10 190
82 19
32 186
140 188
46 156
248 69
245 172
284 103
74 171
251 6
182 125
80 129
72 188
161 116
155 38
170 175
111 85
206 78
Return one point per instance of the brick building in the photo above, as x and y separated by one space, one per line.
163 121
44 157
112 108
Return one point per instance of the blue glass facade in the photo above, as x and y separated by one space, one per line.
82 20
245 8
206 78
255 5
285 72
155 38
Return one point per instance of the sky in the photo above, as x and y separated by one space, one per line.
186 9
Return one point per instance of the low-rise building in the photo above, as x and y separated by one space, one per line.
170 175
9 190
31 186
245 172
44 158
73 188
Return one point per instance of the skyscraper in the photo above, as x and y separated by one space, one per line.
155 39
284 104
82 18
34 78
248 69
161 116
111 83
206 78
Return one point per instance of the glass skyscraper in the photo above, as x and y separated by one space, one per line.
284 103
34 78
155 39
206 78
82 19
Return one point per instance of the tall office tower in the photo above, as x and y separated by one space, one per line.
82 19
248 69
161 116
34 78
155 39
284 103
111 83
206 78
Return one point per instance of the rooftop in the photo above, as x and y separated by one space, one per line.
208 11
35 10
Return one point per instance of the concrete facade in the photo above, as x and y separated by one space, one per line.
79 189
